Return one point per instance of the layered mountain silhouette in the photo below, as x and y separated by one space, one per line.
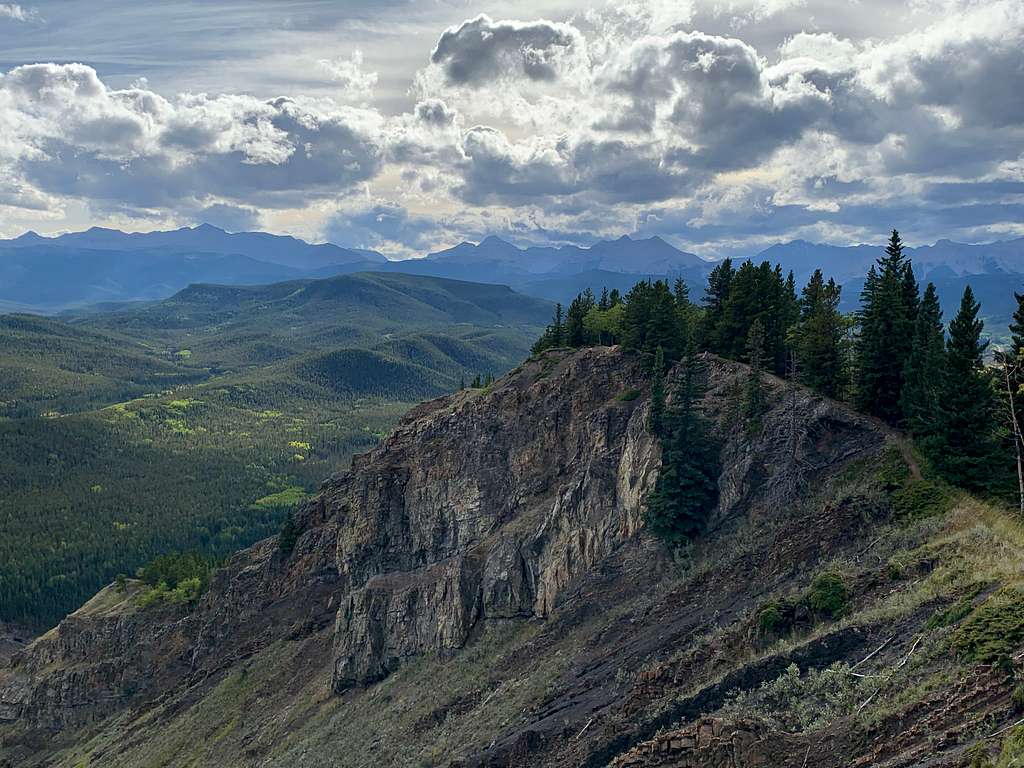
103 265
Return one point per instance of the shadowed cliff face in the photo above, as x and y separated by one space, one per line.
480 590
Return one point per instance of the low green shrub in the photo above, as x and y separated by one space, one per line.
629 395
977 756
187 592
828 595
918 499
174 568
994 629
775 618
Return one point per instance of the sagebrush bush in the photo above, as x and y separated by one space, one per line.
803 702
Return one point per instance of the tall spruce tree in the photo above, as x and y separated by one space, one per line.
663 322
1016 351
715 296
754 399
575 329
1012 362
636 316
755 293
685 313
888 311
818 337
962 439
288 535
687 486
554 334
922 377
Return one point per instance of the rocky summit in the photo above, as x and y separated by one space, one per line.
481 590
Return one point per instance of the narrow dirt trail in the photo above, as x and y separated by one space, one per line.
903 443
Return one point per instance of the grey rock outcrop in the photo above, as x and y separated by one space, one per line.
486 505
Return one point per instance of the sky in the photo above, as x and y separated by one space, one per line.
722 126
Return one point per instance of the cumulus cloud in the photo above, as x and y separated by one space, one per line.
68 133
971 63
481 50
16 12
354 83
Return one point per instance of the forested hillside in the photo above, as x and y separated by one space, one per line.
197 422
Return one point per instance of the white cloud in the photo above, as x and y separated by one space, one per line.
354 83
68 133
481 51
17 12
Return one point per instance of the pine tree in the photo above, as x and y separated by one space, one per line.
1017 326
755 293
1016 352
553 336
715 296
962 443
681 291
754 401
791 304
662 322
888 310
655 421
575 330
637 309
687 486
289 535
1013 380
922 377
818 337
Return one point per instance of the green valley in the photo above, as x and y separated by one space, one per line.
196 422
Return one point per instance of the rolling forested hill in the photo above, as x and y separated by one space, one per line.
198 421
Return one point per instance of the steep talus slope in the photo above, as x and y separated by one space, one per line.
480 591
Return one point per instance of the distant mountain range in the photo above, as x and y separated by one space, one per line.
207 239
103 265
942 260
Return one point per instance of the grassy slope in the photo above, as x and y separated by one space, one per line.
196 422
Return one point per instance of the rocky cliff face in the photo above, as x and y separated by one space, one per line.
483 505
479 590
